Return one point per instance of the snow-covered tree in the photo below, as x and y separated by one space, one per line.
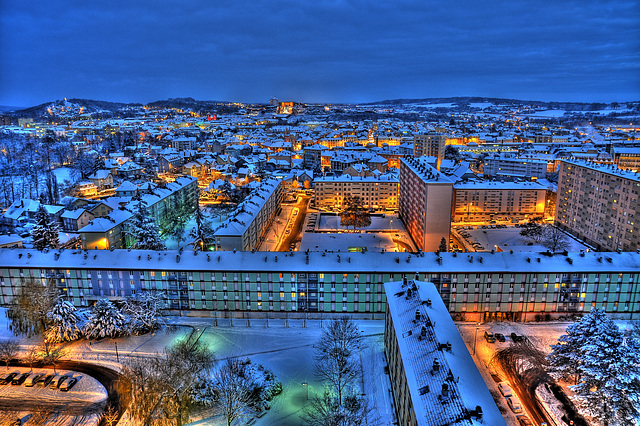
105 321
143 230
30 306
335 355
605 366
232 392
609 390
326 410
45 233
162 387
144 312
554 239
62 323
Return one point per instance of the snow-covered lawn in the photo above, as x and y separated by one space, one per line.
286 351
510 239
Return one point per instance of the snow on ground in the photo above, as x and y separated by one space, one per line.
510 239
286 351
329 222
547 113
66 174
87 394
481 105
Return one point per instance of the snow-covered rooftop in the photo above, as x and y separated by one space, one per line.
518 262
434 356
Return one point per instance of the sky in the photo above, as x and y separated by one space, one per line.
332 51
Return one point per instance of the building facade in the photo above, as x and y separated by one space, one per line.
485 201
247 225
600 205
514 286
514 168
430 144
424 203
377 192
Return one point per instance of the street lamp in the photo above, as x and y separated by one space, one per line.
475 338
306 384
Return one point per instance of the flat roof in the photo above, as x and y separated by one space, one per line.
333 260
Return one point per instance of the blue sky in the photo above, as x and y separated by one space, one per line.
318 51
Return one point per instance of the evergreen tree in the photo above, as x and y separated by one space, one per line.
443 245
63 323
105 321
604 365
609 390
45 233
143 230
98 164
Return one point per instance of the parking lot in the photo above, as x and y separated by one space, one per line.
52 406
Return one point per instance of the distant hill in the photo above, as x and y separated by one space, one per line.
84 106
464 101
9 108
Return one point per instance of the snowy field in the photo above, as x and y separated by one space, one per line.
510 239
285 350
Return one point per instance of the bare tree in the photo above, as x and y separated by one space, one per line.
160 387
8 350
335 361
28 313
232 392
326 411
555 240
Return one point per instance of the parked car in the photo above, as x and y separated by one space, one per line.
46 380
515 405
57 381
7 378
517 338
500 337
488 336
524 421
505 389
66 386
33 379
18 380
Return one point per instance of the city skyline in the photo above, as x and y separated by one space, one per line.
339 52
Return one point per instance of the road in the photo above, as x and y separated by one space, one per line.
296 229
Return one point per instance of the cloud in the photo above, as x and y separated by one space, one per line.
319 51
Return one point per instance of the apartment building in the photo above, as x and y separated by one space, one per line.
482 201
479 286
246 226
377 192
514 168
599 204
424 203
434 380
627 158
109 231
431 144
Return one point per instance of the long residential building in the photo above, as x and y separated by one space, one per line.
485 200
376 192
599 204
246 226
424 203
515 286
514 168
434 380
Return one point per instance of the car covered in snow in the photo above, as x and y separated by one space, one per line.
505 389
